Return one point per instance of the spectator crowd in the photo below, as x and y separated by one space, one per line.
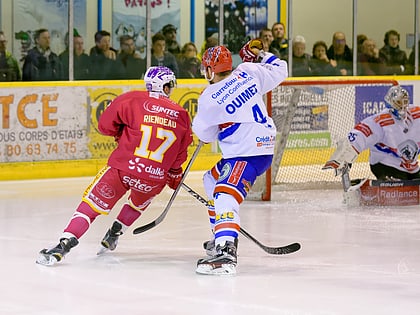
104 62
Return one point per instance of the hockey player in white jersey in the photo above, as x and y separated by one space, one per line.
393 137
231 111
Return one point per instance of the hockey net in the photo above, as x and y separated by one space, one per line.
311 115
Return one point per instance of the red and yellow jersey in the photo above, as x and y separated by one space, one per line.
153 134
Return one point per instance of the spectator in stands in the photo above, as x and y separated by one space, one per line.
368 59
391 55
160 57
102 58
169 31
341 53
9 66
188 63
279 42
301 60
129 59
41 64
266 36
360 39
81 62
320 64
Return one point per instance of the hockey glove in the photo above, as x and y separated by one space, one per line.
342 158
173 178
251 50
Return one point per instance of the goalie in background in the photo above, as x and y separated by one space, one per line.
393 137
231 110
153 134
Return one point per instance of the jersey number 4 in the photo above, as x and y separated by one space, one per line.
148 137
258 114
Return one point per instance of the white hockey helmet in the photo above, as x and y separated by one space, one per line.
397 100
157 77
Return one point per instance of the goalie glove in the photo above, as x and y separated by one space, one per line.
174 177
344 155
251 50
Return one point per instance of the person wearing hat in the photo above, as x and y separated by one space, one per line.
169 31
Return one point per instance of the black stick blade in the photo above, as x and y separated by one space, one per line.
144 228
283 250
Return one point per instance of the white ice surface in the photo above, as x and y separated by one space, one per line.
352 261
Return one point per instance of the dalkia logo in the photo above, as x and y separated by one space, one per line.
154 171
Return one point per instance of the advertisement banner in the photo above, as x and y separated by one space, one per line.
50 124
42 124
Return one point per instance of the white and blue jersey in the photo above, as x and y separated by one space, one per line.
233 111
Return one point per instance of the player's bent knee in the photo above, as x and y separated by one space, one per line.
223 202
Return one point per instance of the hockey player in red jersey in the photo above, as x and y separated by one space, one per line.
231 110
153 135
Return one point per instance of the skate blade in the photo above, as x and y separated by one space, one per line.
46 260
224 269
102 251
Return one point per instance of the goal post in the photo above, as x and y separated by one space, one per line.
311 115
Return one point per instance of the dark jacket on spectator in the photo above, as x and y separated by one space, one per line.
280 48
301 66
133 68
103 68
168 60
369 65
344 61
81 66
40 66
323 68
393 58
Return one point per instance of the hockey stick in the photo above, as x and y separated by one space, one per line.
345 177
160 218
288 249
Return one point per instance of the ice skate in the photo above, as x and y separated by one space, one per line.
110 240
49 257
223 263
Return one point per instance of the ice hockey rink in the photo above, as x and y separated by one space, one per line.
352 260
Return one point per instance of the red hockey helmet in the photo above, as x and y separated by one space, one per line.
218 58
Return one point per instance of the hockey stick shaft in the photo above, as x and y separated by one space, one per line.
270 250
345 178
160 218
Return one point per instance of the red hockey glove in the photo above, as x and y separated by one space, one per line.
173 178
250 51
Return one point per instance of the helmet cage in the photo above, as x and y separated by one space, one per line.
397 99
